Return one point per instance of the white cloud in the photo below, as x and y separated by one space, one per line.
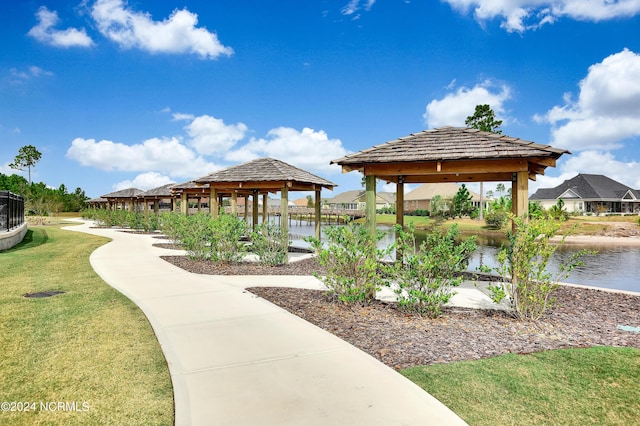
522 15
309 149
454 108
607 111
144 181
354 5
163 155
22 76
45 33
210 135
177 34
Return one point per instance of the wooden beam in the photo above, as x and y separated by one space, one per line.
254 210
234 203
214 207
446 167
460 177
520 194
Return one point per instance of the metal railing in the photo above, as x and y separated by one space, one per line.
11 210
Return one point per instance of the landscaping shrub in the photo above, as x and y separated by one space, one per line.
496 219
424 279
195 234
271 244
523 265
225 238
351 261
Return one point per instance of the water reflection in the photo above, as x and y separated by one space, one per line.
616 267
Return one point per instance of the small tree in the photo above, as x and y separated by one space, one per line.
28 156
462 202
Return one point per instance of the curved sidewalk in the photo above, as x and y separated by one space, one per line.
236 359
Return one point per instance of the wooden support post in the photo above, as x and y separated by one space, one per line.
234 203
156 205
399 211
214 207
255 209
318 212
370 209
265 205
246 209
520 195
284 209
184 203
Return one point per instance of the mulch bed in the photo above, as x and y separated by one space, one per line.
582 317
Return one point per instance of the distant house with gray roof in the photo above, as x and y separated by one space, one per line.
587 193
356 200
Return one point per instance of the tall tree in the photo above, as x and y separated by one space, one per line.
28 156
484 119
462 202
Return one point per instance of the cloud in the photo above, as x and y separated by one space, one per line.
22 76
144 181
164 155
210 135
607 111
177 34
522 15
354 5
454 108
45 33
307 149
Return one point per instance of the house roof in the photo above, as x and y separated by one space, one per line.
124 193
258 173
427 191
453 151
586 186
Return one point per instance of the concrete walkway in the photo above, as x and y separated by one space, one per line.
236 359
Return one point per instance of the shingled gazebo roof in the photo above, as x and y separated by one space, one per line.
451 144
124 193
163 191
264 174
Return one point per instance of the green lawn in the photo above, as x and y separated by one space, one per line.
595 386
90 346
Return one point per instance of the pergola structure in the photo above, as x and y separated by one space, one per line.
451 154
261 177
128 198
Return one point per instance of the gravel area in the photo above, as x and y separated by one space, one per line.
582 317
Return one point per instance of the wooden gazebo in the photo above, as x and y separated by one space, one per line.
155 195
451 154
261 177
127 198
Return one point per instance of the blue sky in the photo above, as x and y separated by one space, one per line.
141 93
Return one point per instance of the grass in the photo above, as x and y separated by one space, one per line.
90 345
561 387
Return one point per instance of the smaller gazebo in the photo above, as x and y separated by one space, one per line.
261 177
156 195
127 198
186 191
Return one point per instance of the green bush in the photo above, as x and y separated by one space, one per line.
170 224
523 265
271 244
424 279
351 261
195 234
496 219
226 233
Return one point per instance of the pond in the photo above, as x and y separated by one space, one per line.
614 267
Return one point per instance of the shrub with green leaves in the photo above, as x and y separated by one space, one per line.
523 264
170 224
351 261
496 219
225 238
424 278
271 244
195 235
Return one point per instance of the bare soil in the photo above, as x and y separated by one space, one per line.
581 318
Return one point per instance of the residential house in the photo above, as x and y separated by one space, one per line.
356 200
420 198
587 193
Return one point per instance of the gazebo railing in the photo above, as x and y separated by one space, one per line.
11 210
